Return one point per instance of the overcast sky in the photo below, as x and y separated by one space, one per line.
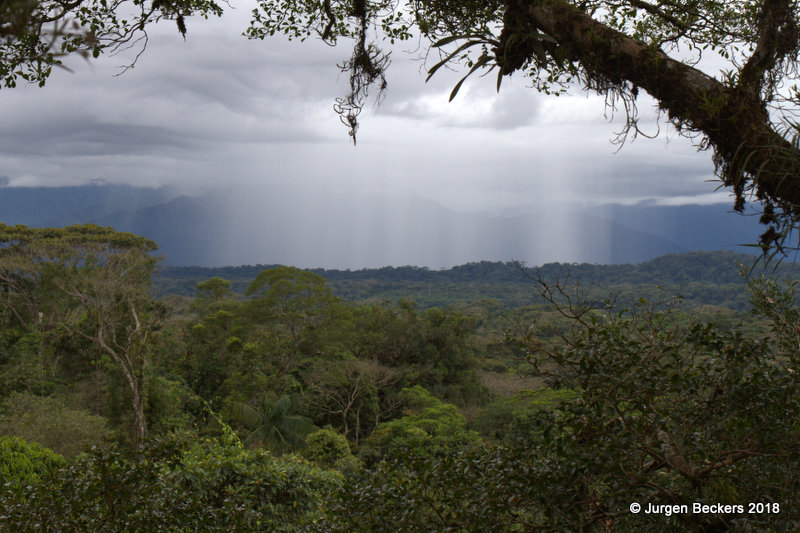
218 108
217 111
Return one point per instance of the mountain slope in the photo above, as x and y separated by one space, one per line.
339 229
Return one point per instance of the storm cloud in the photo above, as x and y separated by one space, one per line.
218 110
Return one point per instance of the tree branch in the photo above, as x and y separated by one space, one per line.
751 156
657 11
776 25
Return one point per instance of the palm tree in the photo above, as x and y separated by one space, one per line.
273 426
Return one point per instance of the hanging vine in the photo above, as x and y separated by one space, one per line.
367 66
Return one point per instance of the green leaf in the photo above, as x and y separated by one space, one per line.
483 60
444 61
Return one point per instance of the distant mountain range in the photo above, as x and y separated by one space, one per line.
338 229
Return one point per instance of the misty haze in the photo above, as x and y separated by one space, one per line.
329 227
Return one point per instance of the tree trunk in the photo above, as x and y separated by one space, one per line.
139 424
749 153
136 384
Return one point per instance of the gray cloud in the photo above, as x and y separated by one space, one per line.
84 136
219 108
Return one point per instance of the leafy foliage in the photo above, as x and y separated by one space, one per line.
214 289
251 490
432 348
210 486
641 403
428 427
352 395
48 422
475 490
36 34
91 282
514 419
667 414
272 425
24 463
702 278
330 449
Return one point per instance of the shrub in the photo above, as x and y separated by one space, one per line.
330 449
24 462
429 425
50 423
167 486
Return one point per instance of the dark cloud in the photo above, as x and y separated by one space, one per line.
218 107
83 136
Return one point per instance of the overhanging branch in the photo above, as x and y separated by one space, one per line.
751 156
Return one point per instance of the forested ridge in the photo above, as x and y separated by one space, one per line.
288 408
701 278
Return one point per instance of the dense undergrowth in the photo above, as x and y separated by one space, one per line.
288 408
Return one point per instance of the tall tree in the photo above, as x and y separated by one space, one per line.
92 281
294 305
348 393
